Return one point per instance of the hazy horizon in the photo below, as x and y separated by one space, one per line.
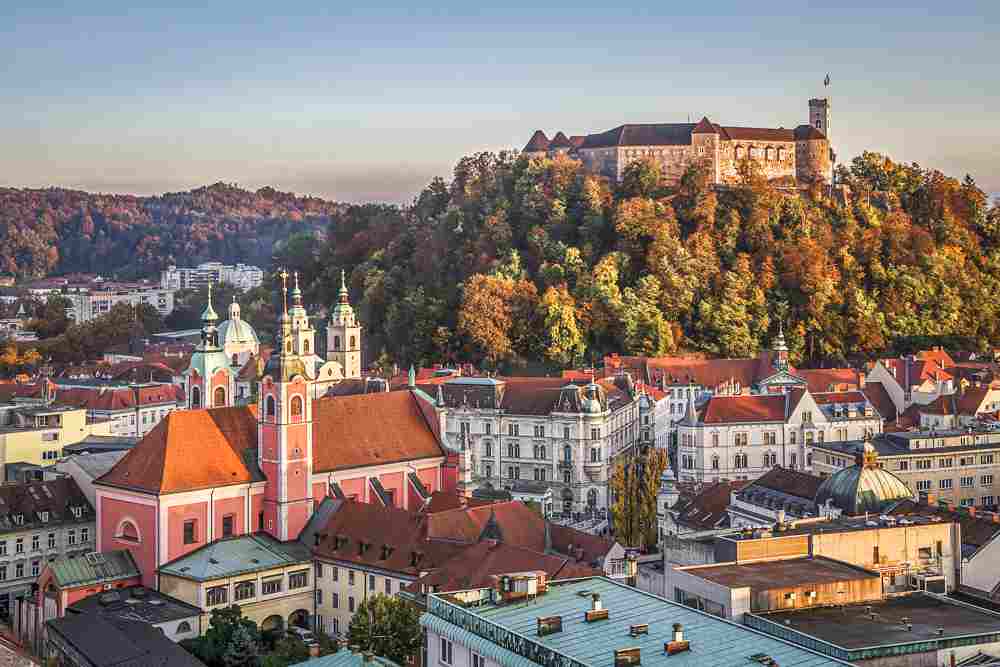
369 104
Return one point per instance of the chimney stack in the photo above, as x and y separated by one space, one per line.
678 644
678 632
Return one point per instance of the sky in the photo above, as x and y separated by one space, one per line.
369 102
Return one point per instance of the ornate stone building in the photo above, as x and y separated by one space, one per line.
799 156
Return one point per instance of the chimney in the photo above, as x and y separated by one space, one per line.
597 612
678 644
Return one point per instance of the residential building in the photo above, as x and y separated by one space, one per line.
271 581
99 300
363 550
590 622
131 410
40 522
742 437
564 434
37 434
900 631
777 496
241 276
733 589
177 619
95 640
961 466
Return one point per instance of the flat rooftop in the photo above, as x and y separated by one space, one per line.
780 573
713 640
842 525
850 627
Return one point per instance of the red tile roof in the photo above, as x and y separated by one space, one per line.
742 409
938 355
188 450
707 509
879 397
538 142
829 379
824 398
442 501
519 524
585 547
371 429
791 482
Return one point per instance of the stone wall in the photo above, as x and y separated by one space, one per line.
777 159
813 158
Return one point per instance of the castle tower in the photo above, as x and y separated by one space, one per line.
209 382
284 416
343 335
819 115
780 351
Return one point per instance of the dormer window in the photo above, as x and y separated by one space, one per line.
77 511
18 519
44 516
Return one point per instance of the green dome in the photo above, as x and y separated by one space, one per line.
864 487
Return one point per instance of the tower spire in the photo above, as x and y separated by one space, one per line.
343 286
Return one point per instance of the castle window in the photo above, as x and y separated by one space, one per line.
269 406
235 360
781 153
305 346
296 406
336 342
195 397
354 343
739 152
220 397
769 153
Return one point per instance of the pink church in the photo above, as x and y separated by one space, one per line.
203 474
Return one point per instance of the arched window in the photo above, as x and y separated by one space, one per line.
744 461
592 498
288 346
715 463
305 346
296 406
183 626
195 397
488 449
127 531
220 397
739 152
236 360
781 154
269 406
567 453
738 461
354 343
336 342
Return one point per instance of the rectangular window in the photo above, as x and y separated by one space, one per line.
85 534
966 482
445 655
319 570
967 502
227 525
216 595
923 485
388 586
350 577
36 542
35 567
566 432
52 543
336 573
986 459
3 573
270 586
715 439
298 579
260 521
986 501
986 480
946 463
244 590
488 428
335 600
924 464
944 483
478 660
19 570
371 582
319 596
19 544
3 547
902 465
190 531
350 604
741 439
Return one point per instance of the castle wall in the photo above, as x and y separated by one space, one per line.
777 159
813 157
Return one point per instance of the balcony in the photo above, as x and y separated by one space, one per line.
566 464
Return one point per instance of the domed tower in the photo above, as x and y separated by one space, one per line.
864 487
209 380
302 333
285 444
343 335
780 350
237 338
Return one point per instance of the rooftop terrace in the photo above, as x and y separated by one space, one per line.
508 632
780 573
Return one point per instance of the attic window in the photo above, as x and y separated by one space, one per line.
18 519
44 516
77 511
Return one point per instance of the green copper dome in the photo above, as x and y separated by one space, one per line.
864 487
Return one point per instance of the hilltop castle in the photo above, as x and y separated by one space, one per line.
802 155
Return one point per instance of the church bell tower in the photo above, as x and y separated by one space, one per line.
343 335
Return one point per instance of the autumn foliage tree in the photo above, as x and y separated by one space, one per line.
634 484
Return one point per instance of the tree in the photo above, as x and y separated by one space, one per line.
634 484
641 178
563 340
388 627
51 319
218 641
242 650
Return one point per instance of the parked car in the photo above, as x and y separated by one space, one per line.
307 637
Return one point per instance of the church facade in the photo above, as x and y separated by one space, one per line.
798 156
219 469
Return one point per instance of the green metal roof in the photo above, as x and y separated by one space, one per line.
862 488
344 658
237 555
93 568
713 640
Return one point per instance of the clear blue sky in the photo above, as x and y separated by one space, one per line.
370 102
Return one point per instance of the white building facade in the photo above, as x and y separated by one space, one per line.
241 276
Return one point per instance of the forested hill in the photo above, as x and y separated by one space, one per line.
61 231
518 260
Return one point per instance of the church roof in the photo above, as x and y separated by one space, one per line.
538 142
236 331
704 126
199 449
863 487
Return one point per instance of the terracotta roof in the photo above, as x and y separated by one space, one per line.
827 397
879 397
709 373
560 141
976 530
442 501
791 482
704 126
971 400
30 499
808 133
661 134
519 524
538 142
188 450
741 409
759 134
371 429
938 355
584 547
917 370
111 399
475 565
829 379
392 536
10 390
707 509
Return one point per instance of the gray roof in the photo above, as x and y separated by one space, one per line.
345 658
93 568
237 555
96 464
713 640
107 642
101 443
135 603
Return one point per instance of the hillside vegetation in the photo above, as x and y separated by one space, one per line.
62 231
518 261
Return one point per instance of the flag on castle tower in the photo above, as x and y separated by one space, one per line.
826 81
